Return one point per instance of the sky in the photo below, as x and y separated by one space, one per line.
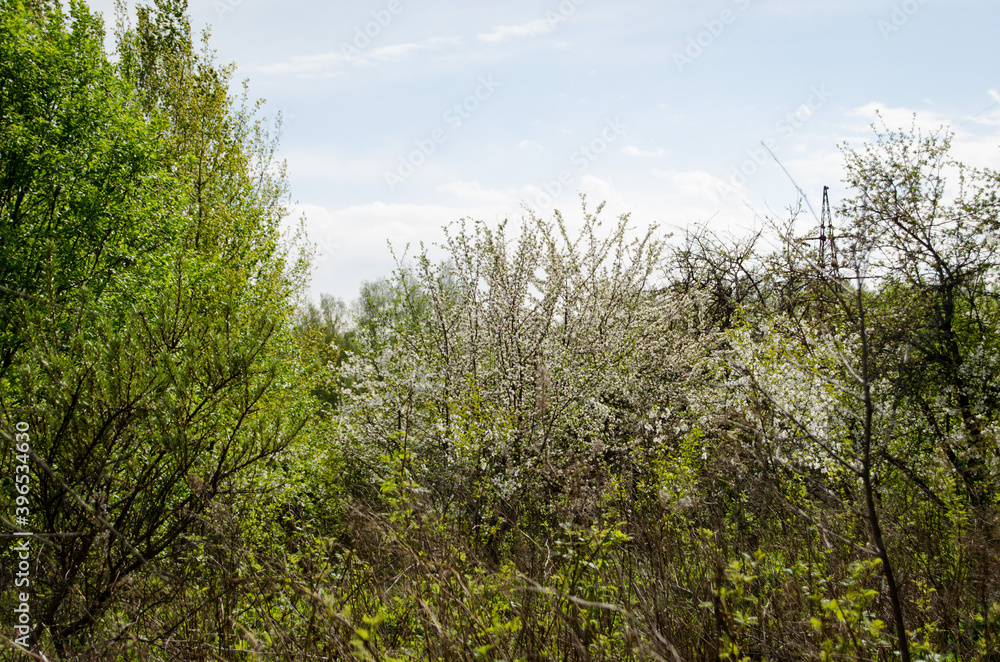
402 116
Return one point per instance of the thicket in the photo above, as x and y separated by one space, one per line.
597 443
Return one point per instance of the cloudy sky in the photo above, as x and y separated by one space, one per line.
402 116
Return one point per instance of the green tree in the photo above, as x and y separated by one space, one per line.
880 395
152 337
327 332
82 188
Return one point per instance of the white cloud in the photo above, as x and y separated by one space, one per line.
329 63
474 194
401 51
600 190
389 53
316 164
353 243
632 150
525 144
974 149
505 32
693 186
896 118
990 116
305 64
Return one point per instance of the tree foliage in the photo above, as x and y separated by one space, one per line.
568 440
148 315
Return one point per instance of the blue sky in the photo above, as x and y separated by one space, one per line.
402 116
